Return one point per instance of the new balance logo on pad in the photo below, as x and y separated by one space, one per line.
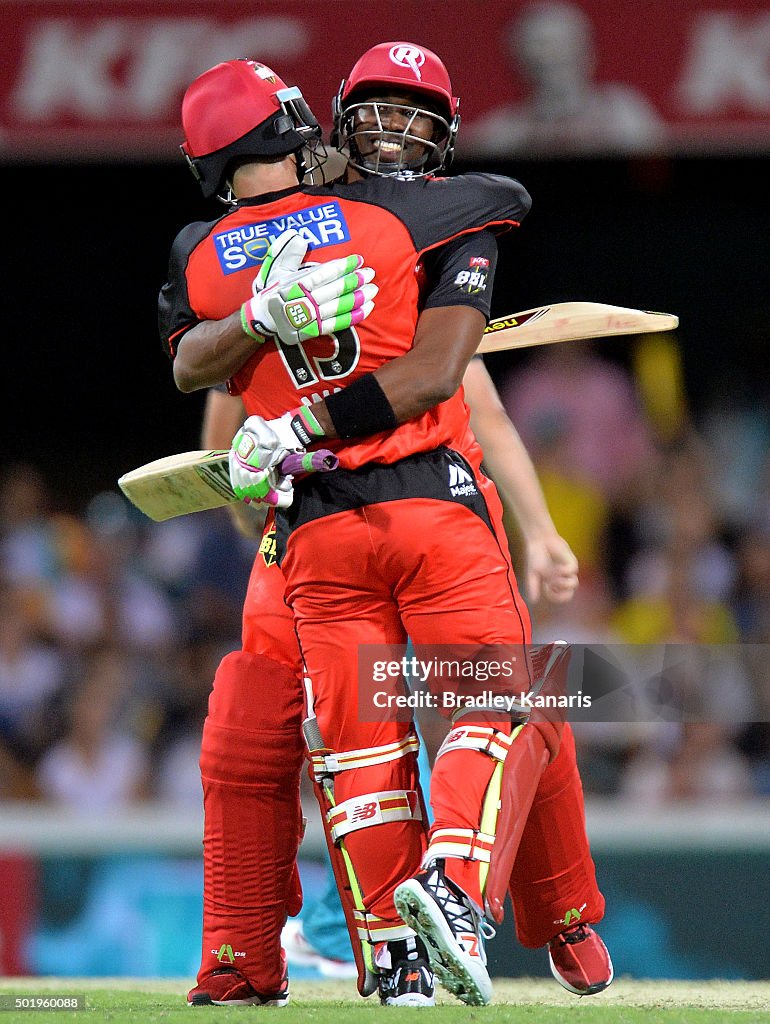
460 482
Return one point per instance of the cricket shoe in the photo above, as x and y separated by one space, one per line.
405 977
580 961
301 953
452 929
228 987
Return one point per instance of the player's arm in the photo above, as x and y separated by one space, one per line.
289 301
222 415
449 330
551 567
182 326
451 326
430 373
212 352
448 333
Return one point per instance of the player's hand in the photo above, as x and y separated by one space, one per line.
255 457
261 486
552 570
295 303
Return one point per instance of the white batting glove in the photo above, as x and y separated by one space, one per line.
295 303
266 487
258 450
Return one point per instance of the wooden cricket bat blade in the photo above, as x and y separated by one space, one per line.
179 484
196 481
570 321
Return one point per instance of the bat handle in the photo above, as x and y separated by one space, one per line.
322 461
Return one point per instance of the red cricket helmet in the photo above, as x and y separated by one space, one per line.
397 67
241 108
403 66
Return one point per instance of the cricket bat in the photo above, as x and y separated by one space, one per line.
570 321
200 480
196 481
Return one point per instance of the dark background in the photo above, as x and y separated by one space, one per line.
87 393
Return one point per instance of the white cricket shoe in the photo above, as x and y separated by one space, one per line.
453 931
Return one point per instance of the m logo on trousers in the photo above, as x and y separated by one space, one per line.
460 482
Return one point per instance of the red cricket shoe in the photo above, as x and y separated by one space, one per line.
228 987
580 961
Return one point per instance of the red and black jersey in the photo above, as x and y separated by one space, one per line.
395 226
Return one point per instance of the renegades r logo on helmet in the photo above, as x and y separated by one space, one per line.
408 57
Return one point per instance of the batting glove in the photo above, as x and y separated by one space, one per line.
264 487
295 303
258 450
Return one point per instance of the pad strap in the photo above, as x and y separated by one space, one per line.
466 843
477 737
373 929
327 762
373 809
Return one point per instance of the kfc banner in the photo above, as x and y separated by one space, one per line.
100 78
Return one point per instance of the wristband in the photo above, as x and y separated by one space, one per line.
306 426
360 409
249 326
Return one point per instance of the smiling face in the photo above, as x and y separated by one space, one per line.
395 132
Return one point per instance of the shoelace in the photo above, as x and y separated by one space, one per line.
458 911
576 934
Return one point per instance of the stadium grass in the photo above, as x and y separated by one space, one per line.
526 1001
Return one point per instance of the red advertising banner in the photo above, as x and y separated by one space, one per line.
99 78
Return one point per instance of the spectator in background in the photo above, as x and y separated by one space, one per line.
683 529
172 716
101 595
31 671
751 596
565 111
737 430
28 549
594 405
98 766
699 762
579 417
676 610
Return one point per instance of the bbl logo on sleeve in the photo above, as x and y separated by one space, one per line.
474 280
245 246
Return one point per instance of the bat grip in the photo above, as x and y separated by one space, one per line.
322 461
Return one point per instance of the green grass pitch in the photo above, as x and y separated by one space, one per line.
147 1001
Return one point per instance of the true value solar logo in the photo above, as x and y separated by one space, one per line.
246 246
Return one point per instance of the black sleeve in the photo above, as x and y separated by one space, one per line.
469 202
175 317
436 210
462 272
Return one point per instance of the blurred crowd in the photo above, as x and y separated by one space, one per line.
111 627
